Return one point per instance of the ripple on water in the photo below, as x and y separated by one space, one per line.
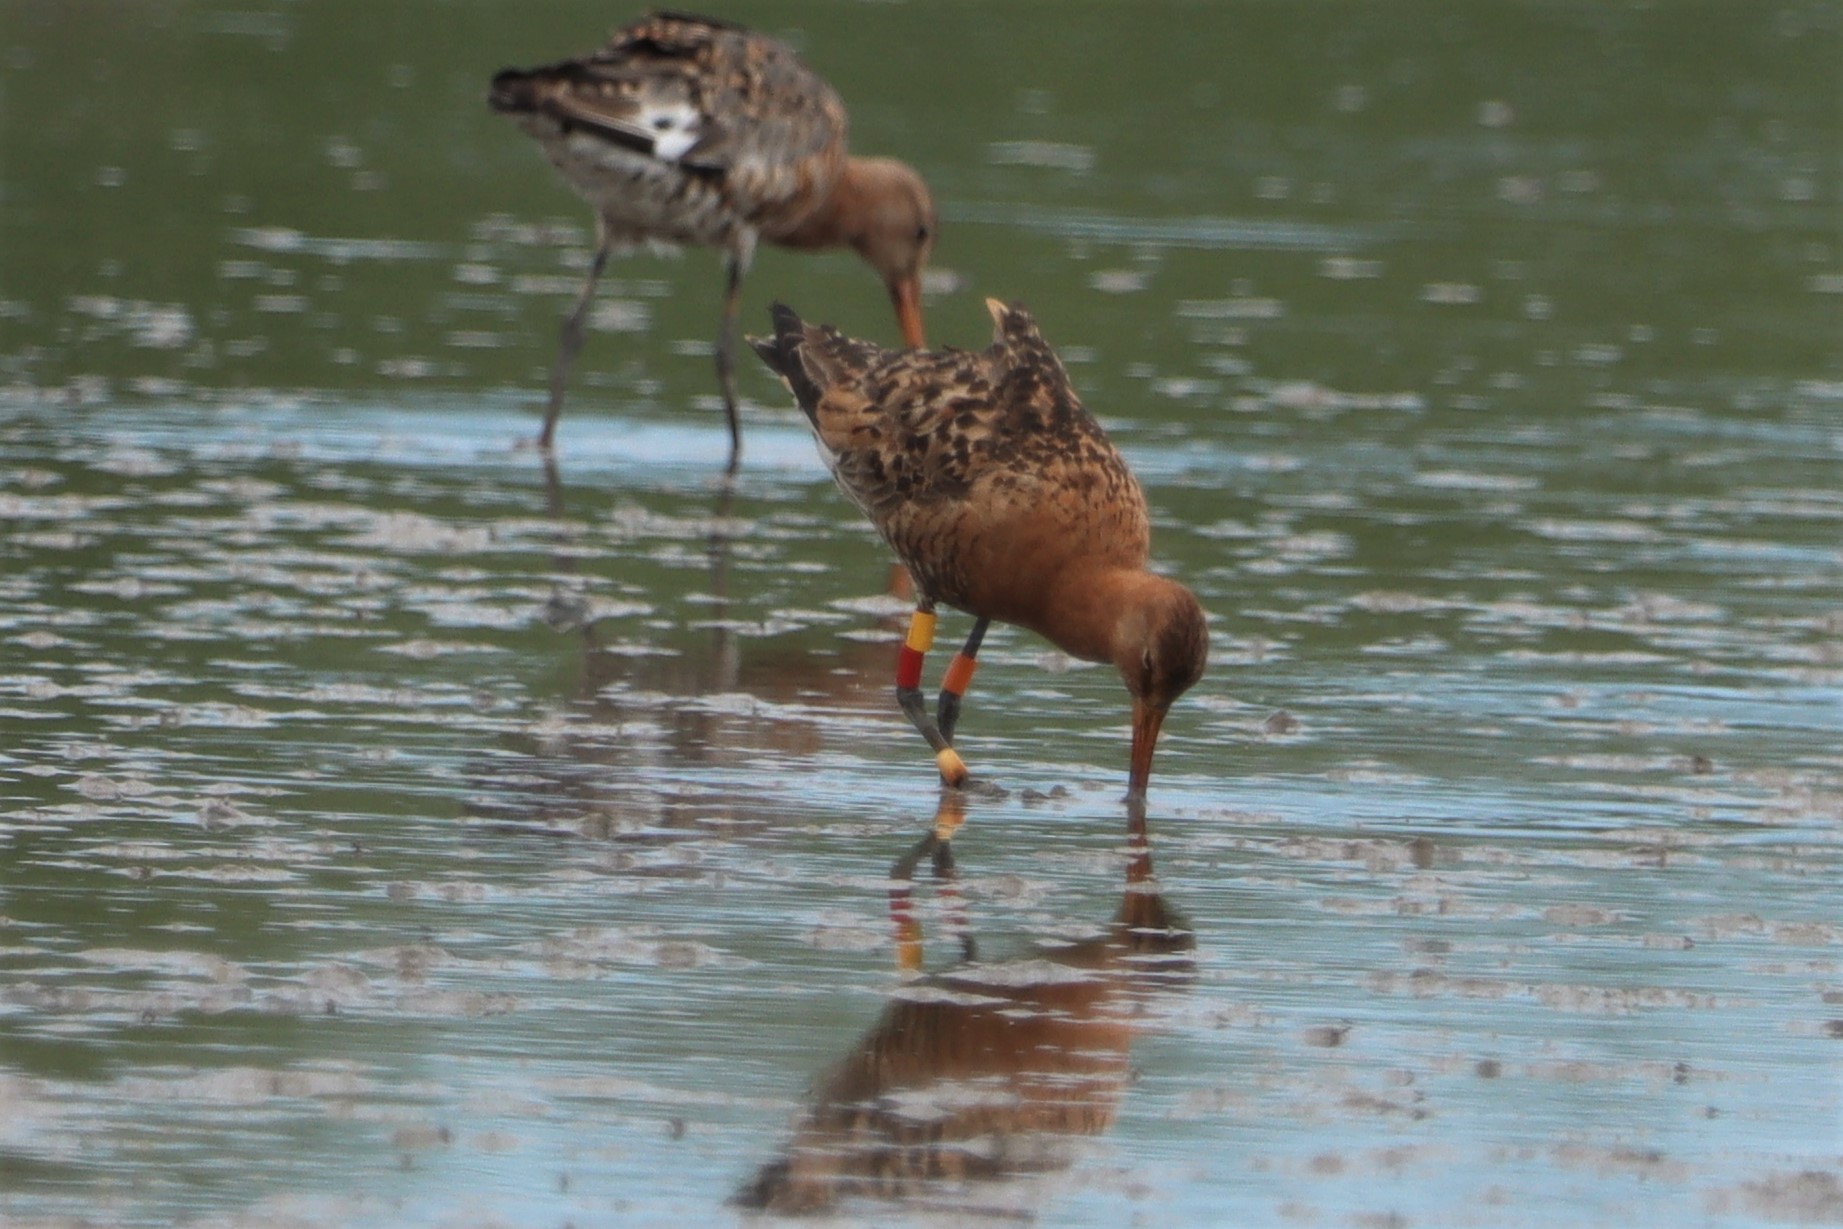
393 833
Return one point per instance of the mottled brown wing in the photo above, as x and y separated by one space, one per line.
963 460
885 418
1044 430
767 124
917 428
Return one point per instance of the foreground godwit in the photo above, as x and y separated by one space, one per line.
688 130
1005 500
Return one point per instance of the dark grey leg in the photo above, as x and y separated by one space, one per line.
909 695
572 336
734 266
954 682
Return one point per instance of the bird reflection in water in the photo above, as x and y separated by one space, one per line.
988 1070
581 768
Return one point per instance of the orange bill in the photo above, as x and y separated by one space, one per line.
1146 723
905 293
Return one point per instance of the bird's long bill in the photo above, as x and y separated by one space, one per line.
1146 722
905 293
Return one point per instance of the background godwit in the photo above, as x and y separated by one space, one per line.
683 129
1006 500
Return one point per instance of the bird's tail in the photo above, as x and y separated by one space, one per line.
785 354
513 92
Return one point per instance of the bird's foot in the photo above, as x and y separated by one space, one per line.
953 768
979 787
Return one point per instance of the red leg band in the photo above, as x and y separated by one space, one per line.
908 667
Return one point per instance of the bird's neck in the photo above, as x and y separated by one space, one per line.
1091 613
838 219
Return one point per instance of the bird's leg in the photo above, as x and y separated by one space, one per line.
947 820
902 904
734 266
572 334
937 846
954 682
908 693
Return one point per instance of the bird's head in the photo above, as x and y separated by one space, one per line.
893 227
1160 647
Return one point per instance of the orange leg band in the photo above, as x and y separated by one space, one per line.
959 674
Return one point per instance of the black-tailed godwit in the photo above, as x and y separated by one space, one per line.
1005 500
686 130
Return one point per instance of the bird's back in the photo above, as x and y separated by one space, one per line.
981 469
684 128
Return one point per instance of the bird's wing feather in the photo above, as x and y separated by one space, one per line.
757 103
948 447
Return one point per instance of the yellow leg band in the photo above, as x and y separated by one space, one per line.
953 768
909 947
921 631
948 819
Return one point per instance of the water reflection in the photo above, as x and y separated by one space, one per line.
988 1070
650 733
569 611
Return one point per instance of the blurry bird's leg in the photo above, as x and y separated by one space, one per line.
947 820
735 264
553 487
902 904
1138 845
727 648
572 333
954 682
937 847
908 692
567 609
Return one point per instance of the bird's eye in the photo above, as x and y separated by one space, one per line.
921 234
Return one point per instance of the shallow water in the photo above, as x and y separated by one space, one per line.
393 833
